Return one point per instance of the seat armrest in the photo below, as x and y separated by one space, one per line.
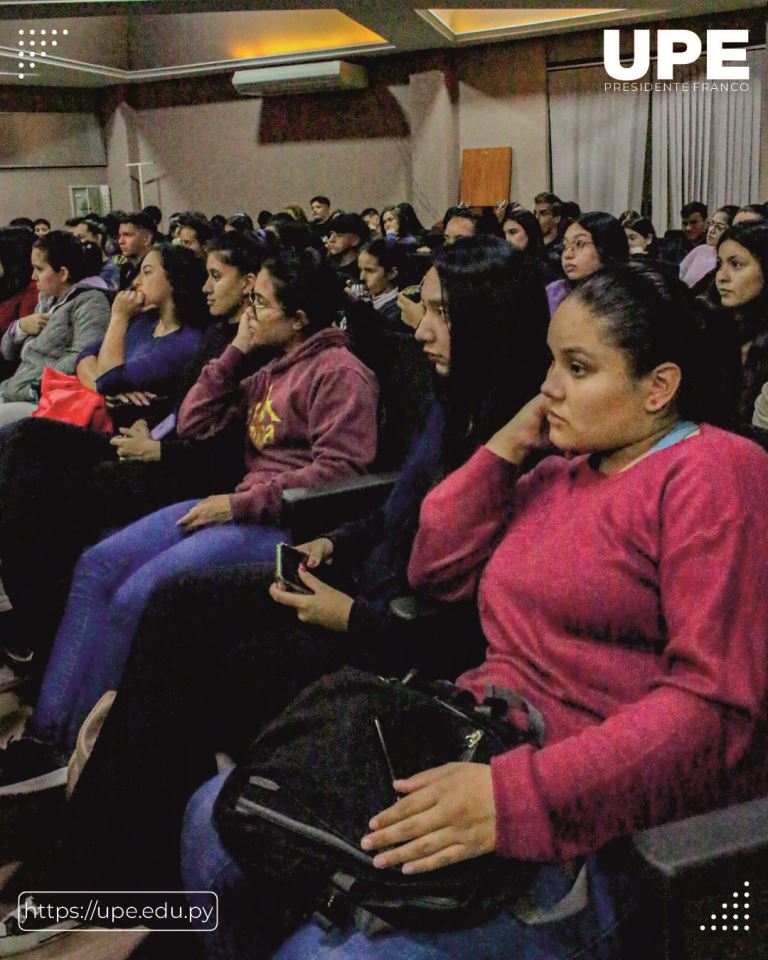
706 847
309 512
412 608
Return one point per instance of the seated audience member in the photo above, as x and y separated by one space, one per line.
373 218
400 222
751 213
194 232
69 315
157 215
154 332
459 222
641 237
615 600
65 485
628 215
522 230
702 260
483 330
569 211
218 222
594 241
742 269
548 210
263 218
239 222
296 211
320 208
173 227
18 291
42 226
91 231
111 223
347 234
134 238
286 232
379 265
694 217
310 417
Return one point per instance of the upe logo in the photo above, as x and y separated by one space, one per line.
677 47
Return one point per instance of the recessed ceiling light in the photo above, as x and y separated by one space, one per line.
464 23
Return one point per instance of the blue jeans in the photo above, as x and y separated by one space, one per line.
110 588
595 933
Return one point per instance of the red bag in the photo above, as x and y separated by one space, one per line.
66 399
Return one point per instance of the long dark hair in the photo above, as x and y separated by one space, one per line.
654 320
186 275
408 224
645 228
303 282
607 235
530 224
753 236
497 309
243 251
15 252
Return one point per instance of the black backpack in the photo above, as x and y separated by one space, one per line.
296 807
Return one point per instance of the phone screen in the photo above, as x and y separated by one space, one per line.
287 567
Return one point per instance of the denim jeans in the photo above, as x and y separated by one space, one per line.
595 933
112 583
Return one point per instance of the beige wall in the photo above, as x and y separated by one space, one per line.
221 157
503 103
43 193
212 157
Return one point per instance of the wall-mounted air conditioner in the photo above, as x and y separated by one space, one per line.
300 78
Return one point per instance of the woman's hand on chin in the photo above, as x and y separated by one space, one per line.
127 304
526 431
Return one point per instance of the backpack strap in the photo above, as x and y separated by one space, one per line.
496 697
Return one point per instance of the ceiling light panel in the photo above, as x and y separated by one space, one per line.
167 40
473 24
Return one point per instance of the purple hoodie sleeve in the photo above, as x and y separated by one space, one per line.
215 399
342 432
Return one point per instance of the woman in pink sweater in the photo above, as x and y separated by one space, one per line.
623 590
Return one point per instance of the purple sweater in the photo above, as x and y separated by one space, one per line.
310 414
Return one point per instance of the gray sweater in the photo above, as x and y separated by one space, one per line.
79 318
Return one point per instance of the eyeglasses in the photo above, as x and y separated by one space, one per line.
716 227
258 302
578 244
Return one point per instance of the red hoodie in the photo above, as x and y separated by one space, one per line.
311 419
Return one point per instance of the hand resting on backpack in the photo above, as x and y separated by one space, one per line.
447 815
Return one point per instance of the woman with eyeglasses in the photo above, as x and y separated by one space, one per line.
308 416
594 240
702 260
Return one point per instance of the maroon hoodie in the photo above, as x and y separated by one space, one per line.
311 419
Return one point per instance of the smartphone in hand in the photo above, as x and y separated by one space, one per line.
287 568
